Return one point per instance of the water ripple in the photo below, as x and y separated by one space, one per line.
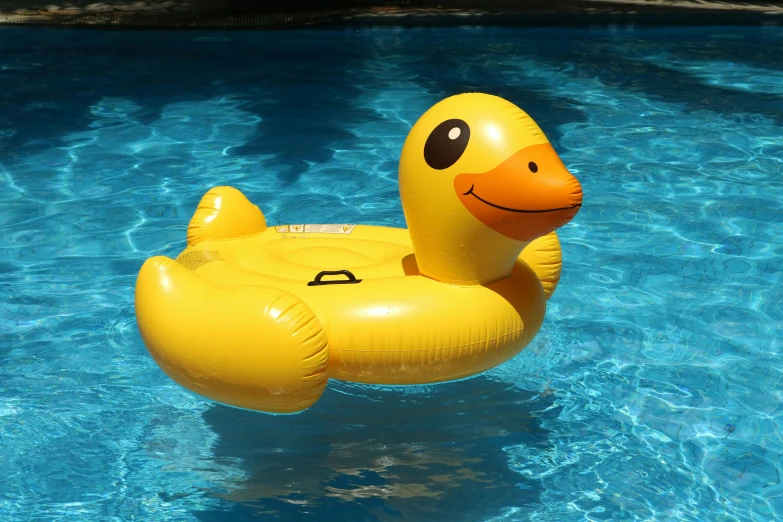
651 393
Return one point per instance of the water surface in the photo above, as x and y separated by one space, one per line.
652 392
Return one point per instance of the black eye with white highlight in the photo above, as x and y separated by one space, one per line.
446 144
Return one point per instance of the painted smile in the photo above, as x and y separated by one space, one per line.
521 211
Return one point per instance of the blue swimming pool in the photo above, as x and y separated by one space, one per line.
653 391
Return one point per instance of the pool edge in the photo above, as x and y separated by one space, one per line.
575 13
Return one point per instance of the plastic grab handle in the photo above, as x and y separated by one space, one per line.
350 281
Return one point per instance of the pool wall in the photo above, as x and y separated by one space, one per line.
246 14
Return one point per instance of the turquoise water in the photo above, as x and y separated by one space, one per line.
652 392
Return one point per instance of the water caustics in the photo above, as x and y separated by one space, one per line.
651 391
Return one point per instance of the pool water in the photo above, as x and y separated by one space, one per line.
653 391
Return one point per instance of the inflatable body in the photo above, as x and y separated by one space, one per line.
261 317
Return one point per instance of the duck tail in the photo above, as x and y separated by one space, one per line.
224 213
545 257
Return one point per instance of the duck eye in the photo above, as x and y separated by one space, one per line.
532 166
446 144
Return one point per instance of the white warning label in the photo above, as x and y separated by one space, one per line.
317 228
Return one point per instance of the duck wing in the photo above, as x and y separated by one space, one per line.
545 257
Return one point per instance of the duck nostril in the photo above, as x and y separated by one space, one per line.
533 167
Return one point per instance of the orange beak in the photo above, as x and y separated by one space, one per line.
528 195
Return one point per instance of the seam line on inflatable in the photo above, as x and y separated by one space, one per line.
312 336
486 341
198 258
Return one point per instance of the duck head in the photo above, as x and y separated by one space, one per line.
479 181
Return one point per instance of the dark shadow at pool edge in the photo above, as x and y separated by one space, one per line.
270 68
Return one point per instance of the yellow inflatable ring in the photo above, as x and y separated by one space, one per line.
261 317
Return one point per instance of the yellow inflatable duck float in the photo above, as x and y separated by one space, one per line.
261 317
